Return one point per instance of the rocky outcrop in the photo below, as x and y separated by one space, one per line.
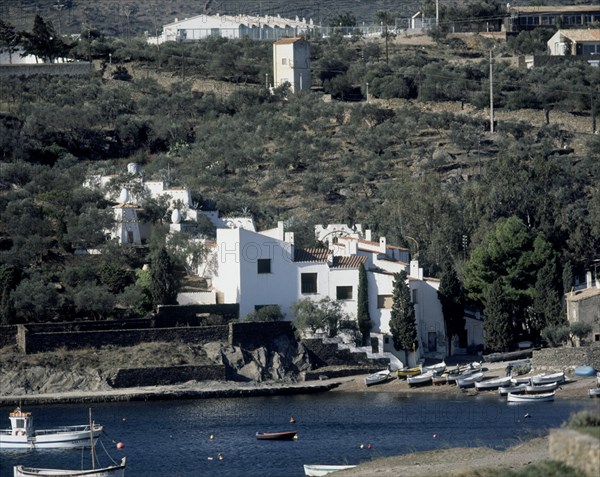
282 359
41 380
575 449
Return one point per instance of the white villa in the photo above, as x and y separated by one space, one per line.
199 27
255 269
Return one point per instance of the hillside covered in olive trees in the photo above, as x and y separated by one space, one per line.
417 163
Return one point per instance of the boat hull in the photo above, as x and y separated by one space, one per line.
276 436
377 378
49 439
420 380
530 397
594 392
492 384
320 470
112 471
515 388
406 372
548 378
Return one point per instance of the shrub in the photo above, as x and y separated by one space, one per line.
266 313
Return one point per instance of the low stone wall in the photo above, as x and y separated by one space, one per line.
575 449
194 315
41 342
566 358
168 375
252 335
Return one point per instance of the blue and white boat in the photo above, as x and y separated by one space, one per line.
21 435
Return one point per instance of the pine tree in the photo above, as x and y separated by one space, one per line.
402 323
546 308
497 324
452 298
164 283
362 312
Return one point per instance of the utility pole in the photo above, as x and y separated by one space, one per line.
367 91
593 114
437 13
491 93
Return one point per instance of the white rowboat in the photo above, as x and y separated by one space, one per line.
21 435
469 380
111 471
515 388
421 379
378 377
319 470
548 378
530 397
541 388
490 384
594 392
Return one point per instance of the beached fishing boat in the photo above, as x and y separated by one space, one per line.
517 381
594 392
513 388
276 436
530 397
469 380
111 471
492 384
406 372
21 435
438 379
548 378
420 380
435 368
378 377
320 470
598 378
541 388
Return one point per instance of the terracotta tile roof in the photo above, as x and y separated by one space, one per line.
310 254
581 35
584 294
287 41
354 261
320 255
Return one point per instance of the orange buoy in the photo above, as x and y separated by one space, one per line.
120 445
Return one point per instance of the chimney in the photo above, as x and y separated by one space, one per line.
382 245
368 235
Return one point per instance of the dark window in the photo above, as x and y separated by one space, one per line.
308 282
385 301
129 236
597 337
343 293
264 265
415 297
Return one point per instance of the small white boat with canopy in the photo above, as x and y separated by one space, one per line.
21 435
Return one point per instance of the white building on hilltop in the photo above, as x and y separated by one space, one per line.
199 27
291 64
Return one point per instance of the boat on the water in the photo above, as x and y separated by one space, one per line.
110 471
491 384
319 470
276 436
116 470
420 380
584 371
541 388
513 388
548 378
530 397
469 380
378 377
21 435
406 372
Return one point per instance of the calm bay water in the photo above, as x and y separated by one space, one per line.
172 438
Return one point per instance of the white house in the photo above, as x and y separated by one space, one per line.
199 27
291 64
575 42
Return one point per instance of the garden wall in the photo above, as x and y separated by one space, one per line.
252 335
194 315
566 358
163 376
63 69
8 335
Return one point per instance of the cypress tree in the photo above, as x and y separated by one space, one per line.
497 324
163 282
452 298
362 312
402 323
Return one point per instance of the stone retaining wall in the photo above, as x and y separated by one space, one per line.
327 354
62 69
252 335
8 335
566 358
168 375
575 449
41 342
171 315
